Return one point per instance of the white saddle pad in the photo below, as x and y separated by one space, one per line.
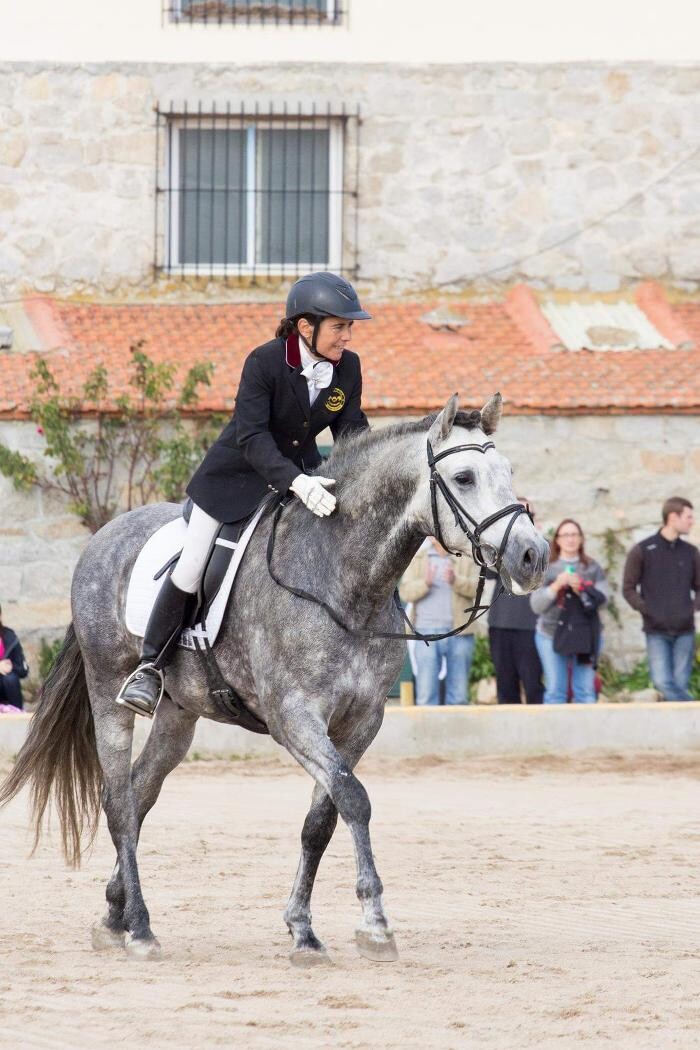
163 545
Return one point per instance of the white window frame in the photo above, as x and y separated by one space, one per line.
250 267
297 17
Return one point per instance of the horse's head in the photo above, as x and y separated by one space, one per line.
471 493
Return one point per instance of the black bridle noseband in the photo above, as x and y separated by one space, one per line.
463 520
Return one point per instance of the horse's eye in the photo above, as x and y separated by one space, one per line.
465 478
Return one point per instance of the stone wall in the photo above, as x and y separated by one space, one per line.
462 170
40 543
609 473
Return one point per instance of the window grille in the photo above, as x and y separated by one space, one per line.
254 12
252 194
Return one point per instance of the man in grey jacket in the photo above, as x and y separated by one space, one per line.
662 582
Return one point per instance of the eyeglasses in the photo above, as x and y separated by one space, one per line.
567 536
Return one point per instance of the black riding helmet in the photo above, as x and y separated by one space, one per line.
322 295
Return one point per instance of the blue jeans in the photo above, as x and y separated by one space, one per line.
556 674
458 653
670 663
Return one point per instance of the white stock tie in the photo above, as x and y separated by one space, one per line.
319 373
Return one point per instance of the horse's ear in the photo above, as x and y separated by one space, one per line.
442 426
491 414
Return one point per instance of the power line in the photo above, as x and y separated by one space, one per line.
513 264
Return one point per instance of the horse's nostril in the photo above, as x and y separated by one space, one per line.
529 558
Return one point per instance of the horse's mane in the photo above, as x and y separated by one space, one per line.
346 450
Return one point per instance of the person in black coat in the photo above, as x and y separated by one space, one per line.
13 667
291 388
512 643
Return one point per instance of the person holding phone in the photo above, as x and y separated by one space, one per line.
571 571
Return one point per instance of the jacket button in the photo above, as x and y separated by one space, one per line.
295 443
305 424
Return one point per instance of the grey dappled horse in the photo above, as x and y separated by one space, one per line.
320 690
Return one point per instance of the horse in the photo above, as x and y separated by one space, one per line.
320 686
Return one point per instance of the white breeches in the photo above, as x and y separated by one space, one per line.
201 531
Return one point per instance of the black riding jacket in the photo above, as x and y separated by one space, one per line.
270 438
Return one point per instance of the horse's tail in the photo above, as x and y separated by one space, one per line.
60 754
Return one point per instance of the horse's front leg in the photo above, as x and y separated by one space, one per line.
305 736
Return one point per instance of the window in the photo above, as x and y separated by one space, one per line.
275 12
252 195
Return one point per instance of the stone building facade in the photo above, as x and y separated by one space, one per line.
460 176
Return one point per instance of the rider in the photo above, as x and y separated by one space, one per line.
292 388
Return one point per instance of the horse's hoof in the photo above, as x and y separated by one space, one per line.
306 958
140 949
104 939
377 946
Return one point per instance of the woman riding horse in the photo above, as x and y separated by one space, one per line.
292 388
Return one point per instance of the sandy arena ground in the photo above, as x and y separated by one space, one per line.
535 903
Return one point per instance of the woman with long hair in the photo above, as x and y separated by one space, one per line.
13 667
574 588
292 388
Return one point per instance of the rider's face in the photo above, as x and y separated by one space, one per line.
334 336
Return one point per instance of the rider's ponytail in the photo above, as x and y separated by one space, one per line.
285 328
288 325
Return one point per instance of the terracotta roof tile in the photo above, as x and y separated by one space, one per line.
408 366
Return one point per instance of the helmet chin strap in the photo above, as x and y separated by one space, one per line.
314 339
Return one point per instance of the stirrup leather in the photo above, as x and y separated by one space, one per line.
134 677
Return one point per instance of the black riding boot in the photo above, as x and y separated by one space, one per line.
144 686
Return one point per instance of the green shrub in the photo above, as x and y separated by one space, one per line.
107 454
482 664
48 651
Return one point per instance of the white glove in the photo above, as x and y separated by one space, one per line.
312 493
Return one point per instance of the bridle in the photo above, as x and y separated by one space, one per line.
437 482
473 530
462 516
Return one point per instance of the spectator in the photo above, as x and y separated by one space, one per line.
512 643
662 582
570 571
439 586
13 667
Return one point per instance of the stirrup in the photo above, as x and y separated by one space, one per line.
133 705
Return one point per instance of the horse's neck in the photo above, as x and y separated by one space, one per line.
374 538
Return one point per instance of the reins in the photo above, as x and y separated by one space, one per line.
461 516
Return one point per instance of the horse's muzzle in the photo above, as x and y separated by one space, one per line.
524 563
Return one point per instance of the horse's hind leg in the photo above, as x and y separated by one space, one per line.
316 834
166 746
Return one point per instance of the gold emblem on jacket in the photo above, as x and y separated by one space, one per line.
336 400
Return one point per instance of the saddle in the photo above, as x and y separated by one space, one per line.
161 553
156 560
